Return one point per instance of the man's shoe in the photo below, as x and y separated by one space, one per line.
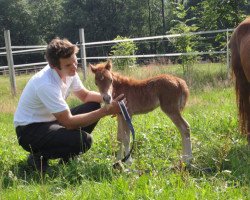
37 162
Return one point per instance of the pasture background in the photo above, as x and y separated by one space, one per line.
220 169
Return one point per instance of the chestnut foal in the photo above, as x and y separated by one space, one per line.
168 92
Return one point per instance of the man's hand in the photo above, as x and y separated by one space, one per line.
113 108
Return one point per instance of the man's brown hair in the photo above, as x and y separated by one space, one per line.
59 48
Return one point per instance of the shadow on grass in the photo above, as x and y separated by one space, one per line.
238 163
233 166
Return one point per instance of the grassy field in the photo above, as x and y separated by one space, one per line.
220 169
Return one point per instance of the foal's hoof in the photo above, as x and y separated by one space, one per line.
129 161
187 159
118 166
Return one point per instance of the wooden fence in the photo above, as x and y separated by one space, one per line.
12 69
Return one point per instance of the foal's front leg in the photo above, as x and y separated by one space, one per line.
123 137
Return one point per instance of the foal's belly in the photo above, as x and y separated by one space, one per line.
143 106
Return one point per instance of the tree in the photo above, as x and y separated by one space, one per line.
216 15
48 15
16 16
220 14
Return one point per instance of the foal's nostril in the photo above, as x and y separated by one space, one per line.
107 99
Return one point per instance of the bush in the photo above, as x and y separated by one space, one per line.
123 49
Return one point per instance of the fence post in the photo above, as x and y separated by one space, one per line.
83 52
10 61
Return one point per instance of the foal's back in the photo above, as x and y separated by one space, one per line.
168 91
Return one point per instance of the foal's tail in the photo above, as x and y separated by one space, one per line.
184 94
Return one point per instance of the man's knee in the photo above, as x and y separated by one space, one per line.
85 108
89 142
86 142
95 105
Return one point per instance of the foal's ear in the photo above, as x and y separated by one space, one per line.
108 65
93 68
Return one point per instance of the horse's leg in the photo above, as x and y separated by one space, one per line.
248 132
184 129
126 143
123 137
120 136
248 117
246 102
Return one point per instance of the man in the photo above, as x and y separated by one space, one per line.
45 125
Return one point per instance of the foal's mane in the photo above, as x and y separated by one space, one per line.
118 78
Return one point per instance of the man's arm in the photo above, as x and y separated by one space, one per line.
86 95
69 121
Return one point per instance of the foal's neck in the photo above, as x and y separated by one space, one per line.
119 80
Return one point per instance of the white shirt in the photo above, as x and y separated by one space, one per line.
44 94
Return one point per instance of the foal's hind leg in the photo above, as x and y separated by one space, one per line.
184 128
123 137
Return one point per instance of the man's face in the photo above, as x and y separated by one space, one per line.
68 66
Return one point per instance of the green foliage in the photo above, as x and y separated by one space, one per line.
126 48
217 14
185 43
48 15
16 16
36 22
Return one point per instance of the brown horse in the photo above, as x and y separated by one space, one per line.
168 92
240 60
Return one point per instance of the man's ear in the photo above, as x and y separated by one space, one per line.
93 68
108 65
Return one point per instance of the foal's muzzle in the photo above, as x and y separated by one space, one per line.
107 98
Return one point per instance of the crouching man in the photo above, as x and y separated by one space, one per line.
45 125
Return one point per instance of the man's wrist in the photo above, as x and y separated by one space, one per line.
105 110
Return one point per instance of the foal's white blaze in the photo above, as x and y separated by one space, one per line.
107 97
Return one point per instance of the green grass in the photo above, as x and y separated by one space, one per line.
220 169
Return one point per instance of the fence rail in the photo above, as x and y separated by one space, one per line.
159 37
17 50
42 48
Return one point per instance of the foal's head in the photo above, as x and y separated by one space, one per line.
103 80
